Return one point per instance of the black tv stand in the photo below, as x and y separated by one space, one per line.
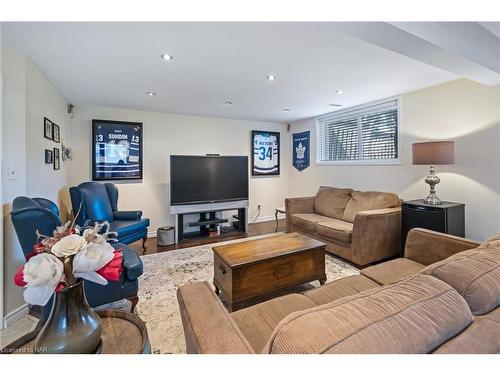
208 223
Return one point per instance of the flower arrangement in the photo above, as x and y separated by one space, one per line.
70 254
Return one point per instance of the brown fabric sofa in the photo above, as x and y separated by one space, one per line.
361 227
443 297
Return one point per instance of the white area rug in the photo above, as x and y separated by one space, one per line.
165 272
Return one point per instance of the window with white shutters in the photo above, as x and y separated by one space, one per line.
363 134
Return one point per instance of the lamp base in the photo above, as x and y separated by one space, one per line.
432 179
433 199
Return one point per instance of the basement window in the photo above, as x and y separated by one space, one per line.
366 134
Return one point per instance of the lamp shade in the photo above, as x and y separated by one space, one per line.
434 153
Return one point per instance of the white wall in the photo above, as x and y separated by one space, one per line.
43 100
462 110
28 98
167 134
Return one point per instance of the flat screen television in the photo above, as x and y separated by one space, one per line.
208 179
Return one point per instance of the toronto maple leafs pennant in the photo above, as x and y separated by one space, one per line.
301 150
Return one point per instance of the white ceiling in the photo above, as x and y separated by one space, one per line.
115 64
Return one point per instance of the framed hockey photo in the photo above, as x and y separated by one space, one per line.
47 128
57 160
265 153
116 150
56 133
48 156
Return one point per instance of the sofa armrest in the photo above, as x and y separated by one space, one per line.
376 235
127 215
208 327
426 246
302 205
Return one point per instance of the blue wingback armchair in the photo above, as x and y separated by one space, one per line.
99 203
29 215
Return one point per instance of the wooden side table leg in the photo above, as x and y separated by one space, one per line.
322 281
277 223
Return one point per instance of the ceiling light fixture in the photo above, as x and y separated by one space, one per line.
340 91
167 57
286 109
271 77
228 103
151 93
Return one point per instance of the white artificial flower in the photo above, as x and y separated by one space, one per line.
41 274
92 235
91 259
68 245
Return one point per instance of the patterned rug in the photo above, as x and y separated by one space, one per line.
165 272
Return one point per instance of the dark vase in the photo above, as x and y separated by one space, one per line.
72 326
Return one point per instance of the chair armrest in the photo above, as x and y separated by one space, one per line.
208 327
376 235
132 263
426 246
127 215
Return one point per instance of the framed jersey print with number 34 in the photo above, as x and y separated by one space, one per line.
265 153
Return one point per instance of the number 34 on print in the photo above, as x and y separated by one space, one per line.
265 153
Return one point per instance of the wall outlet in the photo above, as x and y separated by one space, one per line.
11 172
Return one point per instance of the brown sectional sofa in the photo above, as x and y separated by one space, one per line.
443 297
361 227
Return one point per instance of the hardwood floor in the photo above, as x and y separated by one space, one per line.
255 229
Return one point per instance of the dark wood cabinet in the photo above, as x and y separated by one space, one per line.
448 217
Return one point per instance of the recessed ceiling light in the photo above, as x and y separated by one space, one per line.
228 103
340 91
167 57
271 77
335 105
286 109
151 93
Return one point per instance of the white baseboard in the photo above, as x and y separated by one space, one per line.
262 219
15 315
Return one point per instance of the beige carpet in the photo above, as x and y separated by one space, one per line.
165 272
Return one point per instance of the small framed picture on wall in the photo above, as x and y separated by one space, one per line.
57 160
48 157
56 133
47 128
265 153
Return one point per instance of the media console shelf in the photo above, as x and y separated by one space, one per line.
207 221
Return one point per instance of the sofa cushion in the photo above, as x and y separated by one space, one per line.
481 337
337 230
413 316
258 322
475 274
392 271
331 201
308 221
347 286
368 200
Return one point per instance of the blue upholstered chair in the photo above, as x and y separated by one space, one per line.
29 215
99 203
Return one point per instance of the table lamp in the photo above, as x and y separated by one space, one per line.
433 153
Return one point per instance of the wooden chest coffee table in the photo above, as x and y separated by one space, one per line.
248 272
